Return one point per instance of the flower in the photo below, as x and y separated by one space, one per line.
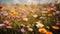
10 14
2 25
35 16
42 30
58 23
43 17
22 12
49 14
23 30
9 27
32 11
57 12
43 14
5 14
13 16
55 27
44 8
48 32
54 13
15 13
24 16
38 22
48 27
48 9
23 25
57 15
44 11
53 9
25 19
30 29
39 25
27 26
6 22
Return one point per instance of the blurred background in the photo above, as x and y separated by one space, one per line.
28 1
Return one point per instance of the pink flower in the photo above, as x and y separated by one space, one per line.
5 15
6 22
58 24
22 9
22 12
23 30
13 16
53 9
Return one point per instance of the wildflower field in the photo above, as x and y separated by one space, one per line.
29 19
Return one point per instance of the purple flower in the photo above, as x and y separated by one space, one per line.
57 15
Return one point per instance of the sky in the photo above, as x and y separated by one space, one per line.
27 1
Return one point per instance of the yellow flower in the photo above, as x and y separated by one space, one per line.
11 14
49 14
48 32
12 10
55 27
48 9
30 29
42 30
27 26
15 13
